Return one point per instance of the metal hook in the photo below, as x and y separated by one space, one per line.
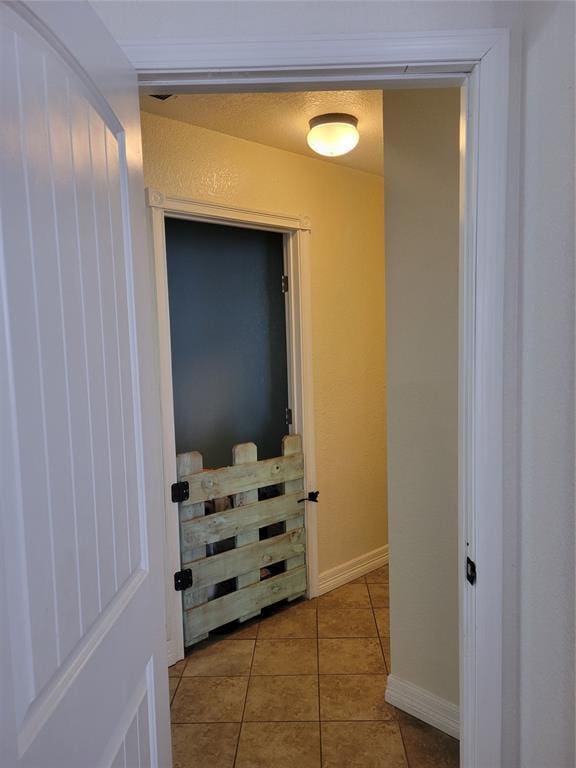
312 496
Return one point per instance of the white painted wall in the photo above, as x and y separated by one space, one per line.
539 449
547 390
178 19
421 170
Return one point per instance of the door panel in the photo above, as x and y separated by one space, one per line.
84 664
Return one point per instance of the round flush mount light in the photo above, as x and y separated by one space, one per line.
333 134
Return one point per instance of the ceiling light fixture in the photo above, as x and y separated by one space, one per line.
333 134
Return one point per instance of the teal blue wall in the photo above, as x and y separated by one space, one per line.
228 337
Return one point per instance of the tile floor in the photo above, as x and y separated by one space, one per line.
301 687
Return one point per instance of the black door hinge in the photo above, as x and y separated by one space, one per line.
284 283
180 492
312 496
288 416
183 579
470 571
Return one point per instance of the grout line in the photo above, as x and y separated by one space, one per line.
383 655
173 696
246 695
354 674
239 722
370 598
207 677
207 722
295 674
402 739
396 718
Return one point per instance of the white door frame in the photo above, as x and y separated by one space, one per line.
478 60
296 264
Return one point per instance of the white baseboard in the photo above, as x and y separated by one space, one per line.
424 705
353 569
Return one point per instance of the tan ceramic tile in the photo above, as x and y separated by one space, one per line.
379 595
296 621
285 657
382 616
172 685
386 651
362 745
346 622
348 596
282 698
350 656
359 580
241 631
379 576
176 669
354 697
220 658
209 700
206 745
282 745
426 746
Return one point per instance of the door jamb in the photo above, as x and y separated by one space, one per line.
295 231
481 59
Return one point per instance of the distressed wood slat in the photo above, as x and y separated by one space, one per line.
203 618
187 464
216 483
237 562
292 445
231 522
246 453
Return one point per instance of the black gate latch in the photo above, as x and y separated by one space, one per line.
312 496
180 492
183 579
471 571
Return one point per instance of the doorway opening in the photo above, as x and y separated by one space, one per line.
240 527
354 270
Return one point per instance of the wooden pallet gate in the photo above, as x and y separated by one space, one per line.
249 559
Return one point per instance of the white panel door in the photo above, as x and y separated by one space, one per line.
82 624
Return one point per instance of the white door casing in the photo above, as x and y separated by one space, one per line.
82 632
479 61
296 232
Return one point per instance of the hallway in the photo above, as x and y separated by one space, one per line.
301 687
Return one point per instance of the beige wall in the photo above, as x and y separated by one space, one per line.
421 159
347 285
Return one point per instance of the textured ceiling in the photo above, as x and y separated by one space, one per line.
281 119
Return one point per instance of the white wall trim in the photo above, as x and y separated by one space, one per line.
372 56
426 706
173 599
232 215
353 569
